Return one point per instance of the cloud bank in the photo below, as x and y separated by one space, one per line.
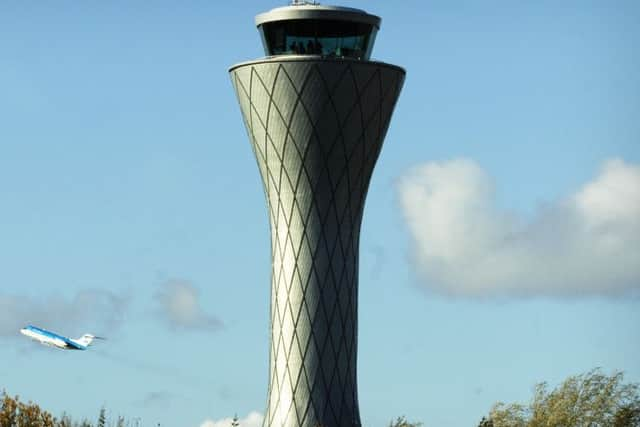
254 419
91 310
180 308
463 245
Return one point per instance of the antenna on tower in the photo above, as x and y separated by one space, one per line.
303 2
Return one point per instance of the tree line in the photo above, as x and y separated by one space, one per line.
592 399
16 413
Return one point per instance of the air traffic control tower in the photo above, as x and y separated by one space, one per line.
316 109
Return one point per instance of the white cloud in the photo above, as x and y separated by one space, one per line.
90 310
180 307
254 419
585 244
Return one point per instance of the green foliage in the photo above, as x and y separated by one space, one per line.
65 421
587 400
8 410
628 415
485 422
102 417
402 422
14 413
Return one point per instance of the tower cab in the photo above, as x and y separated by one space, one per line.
312 29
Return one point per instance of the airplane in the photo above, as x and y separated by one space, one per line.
54 340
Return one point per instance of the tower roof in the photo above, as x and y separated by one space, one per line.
316 11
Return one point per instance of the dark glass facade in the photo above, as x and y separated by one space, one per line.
329 38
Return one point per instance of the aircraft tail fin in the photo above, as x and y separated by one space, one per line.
87 339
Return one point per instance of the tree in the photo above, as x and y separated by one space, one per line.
402 422
234 421
14 413
628 415
65 421
8 410
102 418
587 400
485 422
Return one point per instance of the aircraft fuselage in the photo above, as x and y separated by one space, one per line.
51 339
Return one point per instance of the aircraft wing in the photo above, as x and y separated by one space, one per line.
71 345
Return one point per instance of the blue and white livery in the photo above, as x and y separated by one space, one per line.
54 340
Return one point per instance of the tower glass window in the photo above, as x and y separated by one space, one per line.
329 38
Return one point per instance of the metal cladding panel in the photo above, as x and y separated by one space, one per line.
316 127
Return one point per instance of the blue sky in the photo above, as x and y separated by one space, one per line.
500 239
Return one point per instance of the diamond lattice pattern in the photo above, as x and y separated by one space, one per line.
316 128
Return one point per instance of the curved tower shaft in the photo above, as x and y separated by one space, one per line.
316 123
